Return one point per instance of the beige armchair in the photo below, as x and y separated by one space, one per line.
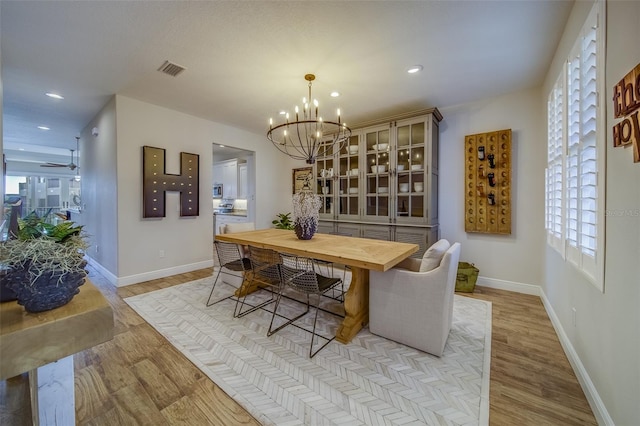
412 307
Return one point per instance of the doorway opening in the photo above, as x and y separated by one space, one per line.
233 186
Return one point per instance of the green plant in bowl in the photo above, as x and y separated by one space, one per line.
44 263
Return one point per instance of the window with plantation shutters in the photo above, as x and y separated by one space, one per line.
575 146
554 165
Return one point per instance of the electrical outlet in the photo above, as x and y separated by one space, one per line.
573 316
161 253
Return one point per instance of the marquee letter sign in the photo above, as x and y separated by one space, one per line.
626 105
156 182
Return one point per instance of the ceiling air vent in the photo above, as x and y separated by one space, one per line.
171 69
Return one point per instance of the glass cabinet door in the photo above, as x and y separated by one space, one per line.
325 172
349 179
410 171
377 174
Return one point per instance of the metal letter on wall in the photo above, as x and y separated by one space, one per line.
156 182
626 105
488 182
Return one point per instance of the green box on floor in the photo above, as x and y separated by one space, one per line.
467 277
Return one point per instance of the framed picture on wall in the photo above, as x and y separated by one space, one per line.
302 177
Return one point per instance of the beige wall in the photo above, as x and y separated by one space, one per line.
99 189
605 337
125 246
515 260
186 242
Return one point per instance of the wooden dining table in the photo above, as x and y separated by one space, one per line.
361 254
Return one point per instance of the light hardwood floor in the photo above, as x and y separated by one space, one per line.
139 378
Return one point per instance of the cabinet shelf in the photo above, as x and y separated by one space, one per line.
412 140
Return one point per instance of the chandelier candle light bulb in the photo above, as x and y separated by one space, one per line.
310 135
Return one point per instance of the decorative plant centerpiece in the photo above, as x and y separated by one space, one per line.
283 221
44 263
306 207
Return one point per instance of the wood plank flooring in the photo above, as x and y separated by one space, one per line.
139 378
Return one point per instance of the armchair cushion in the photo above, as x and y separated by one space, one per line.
230 228
433 256
415 308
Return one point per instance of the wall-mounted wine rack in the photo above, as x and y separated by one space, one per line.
488 182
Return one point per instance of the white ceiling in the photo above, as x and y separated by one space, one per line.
247 60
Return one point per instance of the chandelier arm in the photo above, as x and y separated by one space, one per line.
307 142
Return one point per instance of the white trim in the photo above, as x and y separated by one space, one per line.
589 389
162 273
509 285
152 275
102 270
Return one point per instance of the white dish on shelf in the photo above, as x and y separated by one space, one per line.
416 167
353 172
378 169
381 146
418 186
400 167
383 190
353 190
353 149
404 187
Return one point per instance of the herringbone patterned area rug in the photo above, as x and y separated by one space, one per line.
370 381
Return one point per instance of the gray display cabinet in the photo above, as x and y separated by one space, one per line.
383 184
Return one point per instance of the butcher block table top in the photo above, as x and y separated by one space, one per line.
365 253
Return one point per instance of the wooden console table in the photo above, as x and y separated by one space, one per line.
43 344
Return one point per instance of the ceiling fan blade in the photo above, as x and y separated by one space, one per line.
53 165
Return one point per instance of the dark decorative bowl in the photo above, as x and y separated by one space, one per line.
49 291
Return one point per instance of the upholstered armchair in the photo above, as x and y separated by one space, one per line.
413 307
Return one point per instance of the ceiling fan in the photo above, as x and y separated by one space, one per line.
71 165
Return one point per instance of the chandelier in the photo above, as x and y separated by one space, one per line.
309 136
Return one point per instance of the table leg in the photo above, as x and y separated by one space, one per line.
356 306
52 393
248 286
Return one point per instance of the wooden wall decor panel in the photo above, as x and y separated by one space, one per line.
488 182
626 105
156 182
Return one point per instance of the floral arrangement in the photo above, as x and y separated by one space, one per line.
306 207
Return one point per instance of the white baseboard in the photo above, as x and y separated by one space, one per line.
102 270
590 391
508 285
161 273
152 275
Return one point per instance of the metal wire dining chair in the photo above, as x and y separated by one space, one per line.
264 272
299 274
231 263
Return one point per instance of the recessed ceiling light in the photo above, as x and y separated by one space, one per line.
43 128
221 146
335 94
414 69
54 95
282 112
20 149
